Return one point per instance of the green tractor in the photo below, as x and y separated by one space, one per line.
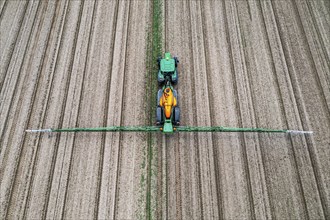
167 69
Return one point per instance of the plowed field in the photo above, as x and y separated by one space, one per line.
242 64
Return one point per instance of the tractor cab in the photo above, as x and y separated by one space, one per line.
167 69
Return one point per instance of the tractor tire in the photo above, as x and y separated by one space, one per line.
160 78
175 82
176 61
159 96
175 93
159 116
159 58
161 81
176 114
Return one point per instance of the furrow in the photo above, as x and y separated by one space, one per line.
20 189
9 45
96 73
178 181
166 21
64 178
160 175
7 152
300 154
292 149
315 50
93 64
122 155
168 209
15 68
182 183
3 5
65 101
130 181
35 114
10 21
195 160
213 155
99 211
113 145
45 164
194 63
232 80
303 90
250 163
9 163
268 99
249 67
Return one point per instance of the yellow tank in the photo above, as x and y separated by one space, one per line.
168 101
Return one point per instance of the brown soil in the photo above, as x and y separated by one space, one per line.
242 64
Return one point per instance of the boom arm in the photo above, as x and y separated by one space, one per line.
177 129
103 129
228 129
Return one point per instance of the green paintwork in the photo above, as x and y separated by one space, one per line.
168 126
110 129
226 129
174 75
167 69
167 86
160 75
167 65
168 55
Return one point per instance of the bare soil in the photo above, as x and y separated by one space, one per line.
242 64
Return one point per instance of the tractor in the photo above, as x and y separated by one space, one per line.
168 111
167 69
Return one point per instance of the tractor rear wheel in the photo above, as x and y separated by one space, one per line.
176 116
175 82
159 96
160 79
159 116
175 93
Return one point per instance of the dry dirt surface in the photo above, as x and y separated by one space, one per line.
242 64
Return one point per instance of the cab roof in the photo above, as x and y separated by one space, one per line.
167 64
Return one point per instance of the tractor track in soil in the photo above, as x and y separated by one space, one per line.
63 160
256 166
242 63
21 139
44 115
